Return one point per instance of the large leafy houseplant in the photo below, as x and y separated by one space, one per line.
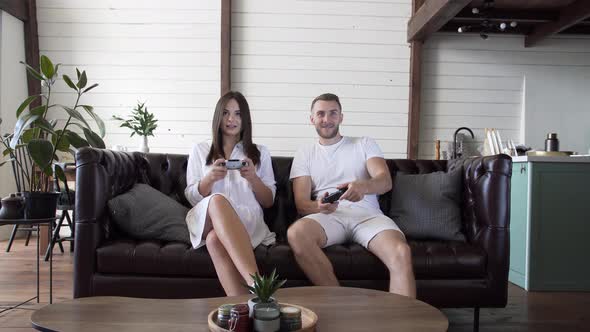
40 138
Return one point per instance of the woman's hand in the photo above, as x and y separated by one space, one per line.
217 171
248 171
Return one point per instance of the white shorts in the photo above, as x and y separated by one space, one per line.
350 224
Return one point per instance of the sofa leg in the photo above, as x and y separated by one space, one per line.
476 319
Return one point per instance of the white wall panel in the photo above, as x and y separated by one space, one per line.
285 53
165 53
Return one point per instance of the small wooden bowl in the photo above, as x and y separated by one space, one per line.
308 319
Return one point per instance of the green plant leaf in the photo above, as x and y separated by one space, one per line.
39 110
22 123
69 82
28 135
45 125
82 81
78 73
101 127
64 143
75 139
76 115
33 72
92 138
90 87
47 67
6 152
59 173
25 104
41 152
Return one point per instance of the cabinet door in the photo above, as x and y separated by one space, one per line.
559 234
518 224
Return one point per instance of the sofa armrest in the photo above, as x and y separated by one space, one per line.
100 175
486 215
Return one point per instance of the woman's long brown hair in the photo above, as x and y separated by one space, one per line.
250 148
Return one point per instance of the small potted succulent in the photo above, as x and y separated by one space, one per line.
263 289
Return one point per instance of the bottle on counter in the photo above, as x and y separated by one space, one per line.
552 143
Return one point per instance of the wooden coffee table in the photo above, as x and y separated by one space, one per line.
338 309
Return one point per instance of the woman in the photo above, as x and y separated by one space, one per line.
227 214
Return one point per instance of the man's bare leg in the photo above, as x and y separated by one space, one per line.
229 276
306 238
391 248
232 234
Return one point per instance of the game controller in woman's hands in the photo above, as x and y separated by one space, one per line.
234 164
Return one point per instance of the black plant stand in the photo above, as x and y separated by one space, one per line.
37 223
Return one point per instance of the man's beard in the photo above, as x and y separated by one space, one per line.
330 135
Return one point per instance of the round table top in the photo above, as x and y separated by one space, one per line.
338 309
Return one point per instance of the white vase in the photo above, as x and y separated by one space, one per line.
144 145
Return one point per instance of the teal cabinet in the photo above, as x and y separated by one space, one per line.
550 226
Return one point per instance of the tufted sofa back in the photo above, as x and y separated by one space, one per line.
167 173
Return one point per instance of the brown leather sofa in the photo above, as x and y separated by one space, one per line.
449 274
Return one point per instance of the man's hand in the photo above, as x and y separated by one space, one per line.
217 171
326 208
248 172
356 191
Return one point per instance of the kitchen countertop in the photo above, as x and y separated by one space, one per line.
577 159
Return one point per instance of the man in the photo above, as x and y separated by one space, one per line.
336 162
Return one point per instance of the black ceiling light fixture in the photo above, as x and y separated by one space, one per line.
487 25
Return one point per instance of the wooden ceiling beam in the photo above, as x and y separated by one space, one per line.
432 16
16 8
568 16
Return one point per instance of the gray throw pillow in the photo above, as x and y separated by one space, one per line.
147 214
426 206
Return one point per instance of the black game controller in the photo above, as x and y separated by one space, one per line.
234 164
333 197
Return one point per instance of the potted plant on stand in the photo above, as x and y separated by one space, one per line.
142 123
41 139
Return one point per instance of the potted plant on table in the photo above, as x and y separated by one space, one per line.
263 289
142 123
40 139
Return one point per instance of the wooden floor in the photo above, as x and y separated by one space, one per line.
526 311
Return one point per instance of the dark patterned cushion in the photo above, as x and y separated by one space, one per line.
147 214
426 206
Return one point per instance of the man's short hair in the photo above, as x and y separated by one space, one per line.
327 97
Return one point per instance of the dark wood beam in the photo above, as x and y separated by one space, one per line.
225 46
568 16
415 92
507 15
431 16
32 49
16 8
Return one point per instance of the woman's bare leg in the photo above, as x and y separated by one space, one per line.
232 234
229 276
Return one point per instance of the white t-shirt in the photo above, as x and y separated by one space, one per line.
332 165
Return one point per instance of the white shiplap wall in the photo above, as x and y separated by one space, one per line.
479 83
284 53
163 52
